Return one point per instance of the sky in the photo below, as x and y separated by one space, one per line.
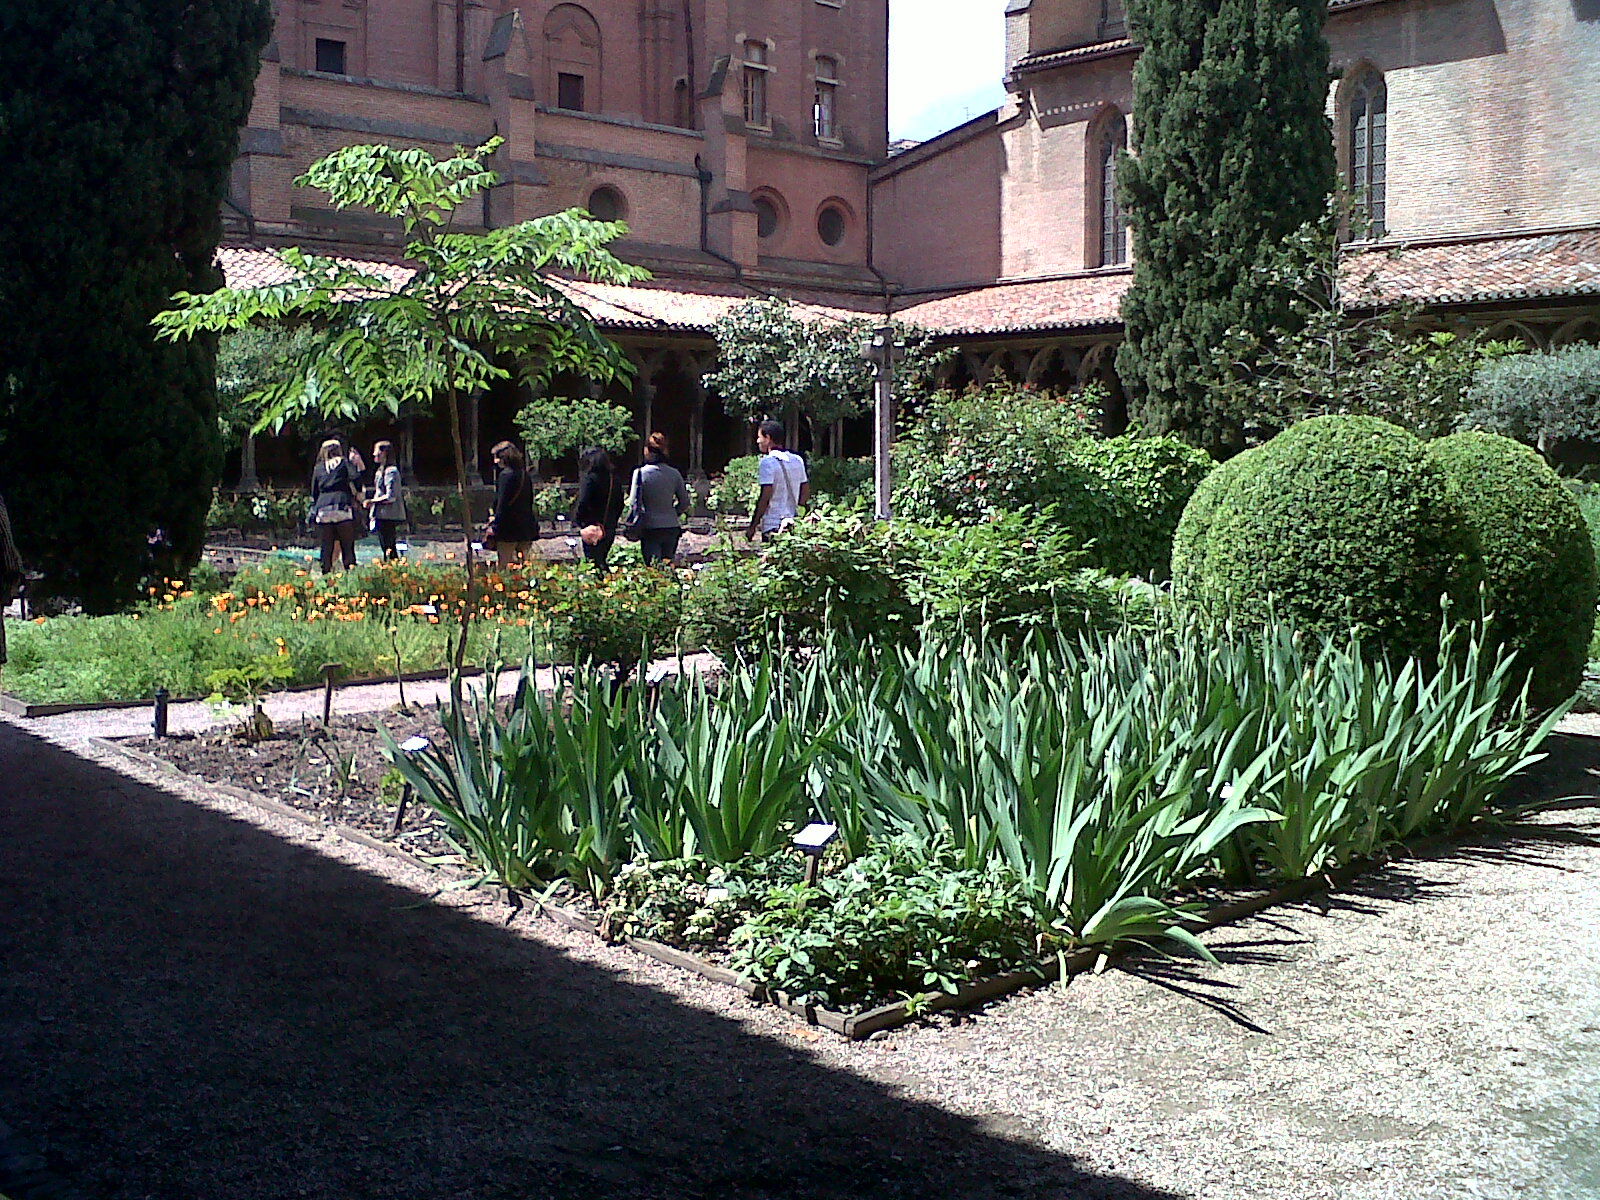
946 58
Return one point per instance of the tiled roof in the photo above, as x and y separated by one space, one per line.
678 306
1075 302
1476 271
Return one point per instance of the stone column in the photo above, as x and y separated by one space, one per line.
697 420
470 441
408 451
248 480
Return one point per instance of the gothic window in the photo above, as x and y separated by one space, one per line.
1113 19
1368 142
757 68
825 108
1111 142
573 59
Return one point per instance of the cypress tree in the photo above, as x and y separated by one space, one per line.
119 124
1233 154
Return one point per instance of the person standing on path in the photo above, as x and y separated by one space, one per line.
514 527
333 503
388 502
659 502
599 507
785 485
10 572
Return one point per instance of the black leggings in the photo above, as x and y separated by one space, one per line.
660 545
388 535
344 534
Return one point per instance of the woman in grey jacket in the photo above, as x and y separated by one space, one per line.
661 500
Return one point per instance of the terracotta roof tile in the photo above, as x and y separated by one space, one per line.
685 306
1475 271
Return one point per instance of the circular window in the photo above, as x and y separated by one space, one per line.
767 217
831 225
607 204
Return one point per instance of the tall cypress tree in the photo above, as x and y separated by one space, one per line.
1233 154
119 124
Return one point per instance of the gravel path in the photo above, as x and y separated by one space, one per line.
203 1001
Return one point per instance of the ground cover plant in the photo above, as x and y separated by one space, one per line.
376 621
1093 783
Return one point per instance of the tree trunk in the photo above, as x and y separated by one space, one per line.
466 522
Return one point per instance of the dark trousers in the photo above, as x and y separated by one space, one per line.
659 545
599 554
342 533
388 535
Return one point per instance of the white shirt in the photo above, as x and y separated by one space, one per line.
786 472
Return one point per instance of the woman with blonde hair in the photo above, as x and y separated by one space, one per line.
333 503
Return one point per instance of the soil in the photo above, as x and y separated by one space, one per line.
297 767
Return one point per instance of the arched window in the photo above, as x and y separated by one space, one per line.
572 57
1111 140
1368 141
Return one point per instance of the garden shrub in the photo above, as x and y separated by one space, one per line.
725 612
906 918
1018 572
1340 523
1003 449
845 481
1539 562
734 493
622 619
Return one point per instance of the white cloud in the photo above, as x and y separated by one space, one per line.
946 59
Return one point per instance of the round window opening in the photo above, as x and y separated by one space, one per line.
766 217
607 204
831 225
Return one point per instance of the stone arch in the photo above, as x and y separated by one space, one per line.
1585 330
1506 331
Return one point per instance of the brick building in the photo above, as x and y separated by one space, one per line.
745 142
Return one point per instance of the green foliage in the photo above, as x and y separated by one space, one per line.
735 492
1587 496
250 681
256 512
119 124
998 798
1338 523
771 358
1347 349
554 426
910 917
1540 397
1002 448
248 360
1235 155
1016 573
623 619
1539 562
551 502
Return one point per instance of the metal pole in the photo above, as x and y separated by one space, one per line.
883 431
159 720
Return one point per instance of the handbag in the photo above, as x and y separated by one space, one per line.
633 522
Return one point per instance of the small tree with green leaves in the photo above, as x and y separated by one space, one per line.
773 361
551 426
1347 350
468 303
1540 398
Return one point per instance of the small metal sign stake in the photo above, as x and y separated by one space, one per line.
330 671
410 747
158 721
812 841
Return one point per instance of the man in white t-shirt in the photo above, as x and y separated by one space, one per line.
785 487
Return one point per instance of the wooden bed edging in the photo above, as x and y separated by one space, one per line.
856 1026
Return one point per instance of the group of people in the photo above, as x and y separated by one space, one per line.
648 506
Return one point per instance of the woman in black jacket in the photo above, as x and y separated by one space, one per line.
599 508
514 527
334 485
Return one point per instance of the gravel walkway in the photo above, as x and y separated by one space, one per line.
203 1001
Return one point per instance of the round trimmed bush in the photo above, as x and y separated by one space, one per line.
1539 564
1339 523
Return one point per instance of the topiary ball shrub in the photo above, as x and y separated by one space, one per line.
1539 563
1338 523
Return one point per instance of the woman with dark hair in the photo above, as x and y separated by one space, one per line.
513 526
387 503
660 500
599 507
334 483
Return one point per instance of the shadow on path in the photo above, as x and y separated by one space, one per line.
194 1009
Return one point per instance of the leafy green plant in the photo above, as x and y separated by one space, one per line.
736 489
245 686
551 502
905 918
554 426
623 619
694 903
